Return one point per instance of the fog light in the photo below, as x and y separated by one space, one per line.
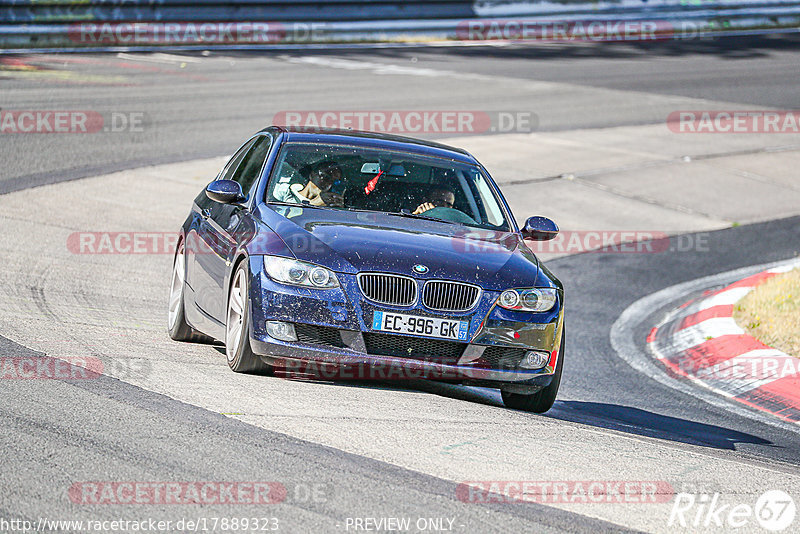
281 330
534 359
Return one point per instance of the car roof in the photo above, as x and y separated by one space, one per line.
375 140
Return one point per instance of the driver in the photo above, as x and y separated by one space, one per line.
437 197
316 190
442 197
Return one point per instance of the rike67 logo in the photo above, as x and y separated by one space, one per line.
774 511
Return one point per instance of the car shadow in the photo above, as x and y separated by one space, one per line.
613 417
644 423
616 417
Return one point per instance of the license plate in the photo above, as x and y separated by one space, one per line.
420 326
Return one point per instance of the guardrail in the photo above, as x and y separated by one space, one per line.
65 11
212 24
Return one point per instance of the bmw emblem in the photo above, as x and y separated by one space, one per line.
421 269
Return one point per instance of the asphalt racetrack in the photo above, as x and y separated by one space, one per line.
355 456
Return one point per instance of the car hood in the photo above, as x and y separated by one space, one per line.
352 242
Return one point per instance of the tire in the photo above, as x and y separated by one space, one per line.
542 400
237 326
178 328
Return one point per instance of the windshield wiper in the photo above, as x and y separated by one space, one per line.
307 204
360 210
304 204
418 216
282 203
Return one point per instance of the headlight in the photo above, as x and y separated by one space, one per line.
534 299
299 273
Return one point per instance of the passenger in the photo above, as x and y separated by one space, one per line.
314 190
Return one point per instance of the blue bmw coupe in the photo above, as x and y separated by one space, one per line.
373 255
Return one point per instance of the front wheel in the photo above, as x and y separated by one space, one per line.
178 328
542 400
237 326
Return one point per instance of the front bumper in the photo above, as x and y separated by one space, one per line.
493 330
307 360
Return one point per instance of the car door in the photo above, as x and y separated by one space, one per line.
219 229
198 238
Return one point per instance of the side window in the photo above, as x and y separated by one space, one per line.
250 167
202 200
233 163
494 215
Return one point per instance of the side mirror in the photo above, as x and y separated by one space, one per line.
539 229
225 191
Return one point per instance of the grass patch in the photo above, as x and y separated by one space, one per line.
771 312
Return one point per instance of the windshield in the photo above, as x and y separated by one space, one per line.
363 178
